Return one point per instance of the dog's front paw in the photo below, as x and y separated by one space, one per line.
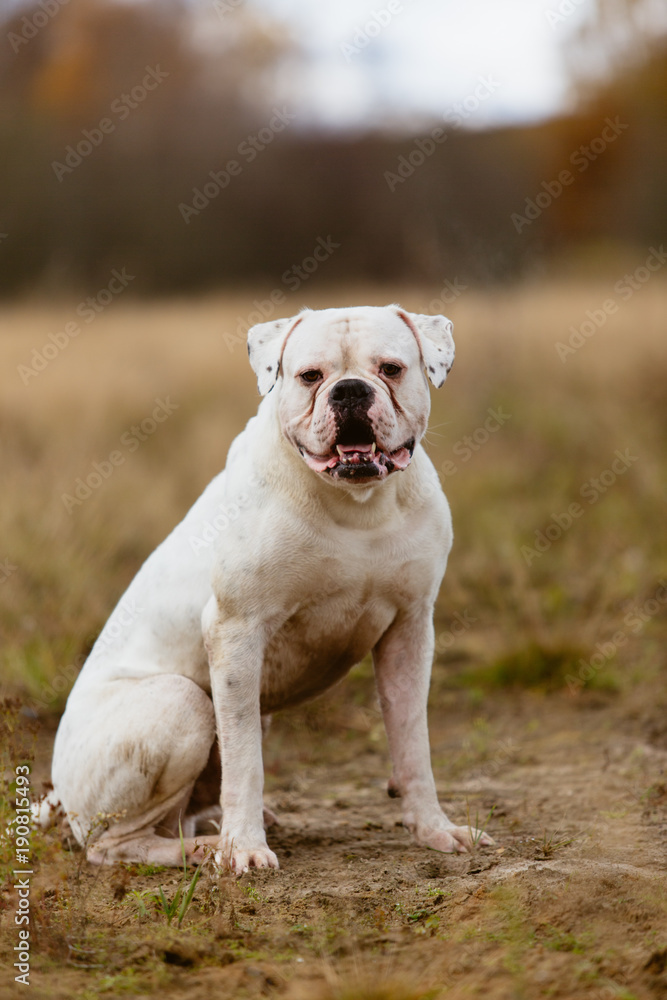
240 858
454 839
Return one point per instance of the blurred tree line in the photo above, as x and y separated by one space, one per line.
137 136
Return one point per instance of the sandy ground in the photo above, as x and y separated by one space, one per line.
570 903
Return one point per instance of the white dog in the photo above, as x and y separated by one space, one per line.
328 536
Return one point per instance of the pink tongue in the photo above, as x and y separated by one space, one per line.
349 448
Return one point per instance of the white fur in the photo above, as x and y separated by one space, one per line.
307 577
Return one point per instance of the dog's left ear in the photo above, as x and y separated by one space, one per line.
434 336
265 349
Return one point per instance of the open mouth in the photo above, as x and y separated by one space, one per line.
360 460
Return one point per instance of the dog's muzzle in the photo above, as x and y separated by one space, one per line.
356 453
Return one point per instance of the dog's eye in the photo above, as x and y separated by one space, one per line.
311 376
391 371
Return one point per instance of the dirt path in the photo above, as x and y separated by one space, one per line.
570 903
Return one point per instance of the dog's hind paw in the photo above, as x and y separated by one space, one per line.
456 839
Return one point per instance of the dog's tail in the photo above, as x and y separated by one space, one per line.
47 811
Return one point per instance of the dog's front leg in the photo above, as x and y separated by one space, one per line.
402 661
236 650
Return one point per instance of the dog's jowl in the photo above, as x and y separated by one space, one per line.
337 549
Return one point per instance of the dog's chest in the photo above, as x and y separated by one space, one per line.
330 629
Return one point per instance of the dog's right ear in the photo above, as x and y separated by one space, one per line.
266 342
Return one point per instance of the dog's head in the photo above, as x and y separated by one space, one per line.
354 400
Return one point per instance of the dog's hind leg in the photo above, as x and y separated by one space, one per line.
127 756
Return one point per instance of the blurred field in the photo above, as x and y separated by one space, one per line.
566 422
548 694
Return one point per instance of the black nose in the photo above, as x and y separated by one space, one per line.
350 391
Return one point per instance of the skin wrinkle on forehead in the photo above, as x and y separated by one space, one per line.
341 330
354 330
346 345
289 334
336 335
341 345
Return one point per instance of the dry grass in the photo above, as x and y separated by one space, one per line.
567 420
519 675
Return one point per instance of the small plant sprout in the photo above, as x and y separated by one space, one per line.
477 830
549 844
179 904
